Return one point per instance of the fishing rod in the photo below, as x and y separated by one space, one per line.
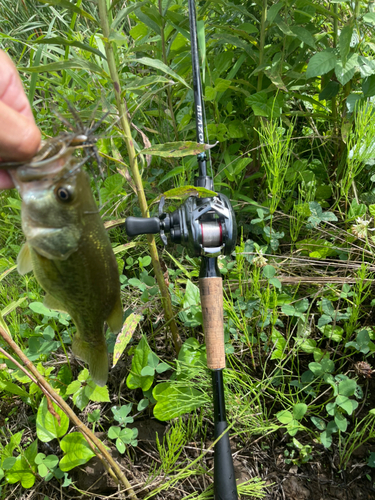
207 228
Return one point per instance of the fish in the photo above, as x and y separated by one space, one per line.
68 249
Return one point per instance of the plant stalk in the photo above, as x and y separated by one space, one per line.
95 443
262 37
125 125
165 61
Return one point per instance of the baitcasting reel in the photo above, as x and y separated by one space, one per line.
204 226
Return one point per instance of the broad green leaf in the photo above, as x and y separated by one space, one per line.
307 345
321 63
324 366
284 27
288 309
299 411
76 451
328 365
248 27
333 332
341 422
323 10
304 35
157 64
85 389
330 91
184 192
135 379
148 371
356 210
302 305
368 86
73 387
349 405
371 460
279 344
47 425
177 149
143 404
284 416
352 101
192 295
125 335
114 432
326 439
210 93
304 13
14 441
347 387
96 393
369 17
222 85
13 389
293 427
140 83
58 40
23 468
324 320
174 399
138 31
8 463
192 353
273 11
344 42
345 74
269 272
318 422
39 308
276 283
73 63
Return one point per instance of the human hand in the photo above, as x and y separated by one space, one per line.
19 136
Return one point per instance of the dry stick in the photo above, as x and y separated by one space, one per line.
121 106
109 463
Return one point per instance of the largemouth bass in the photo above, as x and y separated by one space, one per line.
69 250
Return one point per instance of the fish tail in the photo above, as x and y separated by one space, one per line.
96 355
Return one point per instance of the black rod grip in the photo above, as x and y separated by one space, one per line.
140 225
225 487
224 479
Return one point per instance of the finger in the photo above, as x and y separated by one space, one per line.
11 90
19 136
5 180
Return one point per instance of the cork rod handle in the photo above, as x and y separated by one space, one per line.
211 290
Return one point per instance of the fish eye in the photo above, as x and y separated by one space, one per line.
64 194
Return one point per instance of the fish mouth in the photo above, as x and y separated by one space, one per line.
51 160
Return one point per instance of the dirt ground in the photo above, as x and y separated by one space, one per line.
316 480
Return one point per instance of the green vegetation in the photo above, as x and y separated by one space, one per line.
289 92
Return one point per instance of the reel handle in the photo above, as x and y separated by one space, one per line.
135 226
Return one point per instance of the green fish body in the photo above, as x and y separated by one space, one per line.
69 251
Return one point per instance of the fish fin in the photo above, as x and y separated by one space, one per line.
96 355
114 320
24 264
53 303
